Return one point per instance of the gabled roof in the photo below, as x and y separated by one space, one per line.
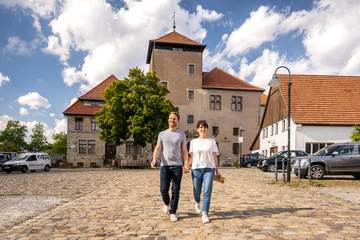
96 93
174 39
219 79
323 99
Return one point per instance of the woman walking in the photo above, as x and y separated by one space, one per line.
203 153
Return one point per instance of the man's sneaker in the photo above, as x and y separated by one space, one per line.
173 217
205 218
197 208
166 209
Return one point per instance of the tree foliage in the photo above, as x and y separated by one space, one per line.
356 133
59 147
38 140
134 107
12 138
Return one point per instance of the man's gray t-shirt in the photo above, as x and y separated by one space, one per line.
171 147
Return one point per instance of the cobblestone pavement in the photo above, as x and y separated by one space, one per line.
126 204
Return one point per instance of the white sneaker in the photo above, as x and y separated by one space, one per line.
197 208
166 209
173 217
205 218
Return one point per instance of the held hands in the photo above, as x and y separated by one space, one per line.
186 168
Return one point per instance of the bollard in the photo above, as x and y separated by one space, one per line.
309 172
299 170
283 170
276 174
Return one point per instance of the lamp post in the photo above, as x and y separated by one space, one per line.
275 82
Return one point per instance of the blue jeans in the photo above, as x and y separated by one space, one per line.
170 174
200 176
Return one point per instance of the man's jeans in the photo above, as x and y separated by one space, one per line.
168 174
200 176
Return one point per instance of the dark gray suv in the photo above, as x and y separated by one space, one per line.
336 159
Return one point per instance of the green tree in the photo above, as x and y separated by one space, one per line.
59 147
134 107
12 138
356 133
38 140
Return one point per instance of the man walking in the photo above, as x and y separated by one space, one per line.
172 151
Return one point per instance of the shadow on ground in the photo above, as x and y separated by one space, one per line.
216 215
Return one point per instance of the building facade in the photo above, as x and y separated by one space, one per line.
324 110
231 106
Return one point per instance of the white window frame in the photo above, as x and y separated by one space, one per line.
167 84
187 94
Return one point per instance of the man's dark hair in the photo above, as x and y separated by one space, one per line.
175 113
202 123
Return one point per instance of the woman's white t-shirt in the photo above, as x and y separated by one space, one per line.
202 150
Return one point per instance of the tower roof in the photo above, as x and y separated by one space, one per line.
173 39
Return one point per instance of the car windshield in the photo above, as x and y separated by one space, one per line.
323 151
277 154
20 157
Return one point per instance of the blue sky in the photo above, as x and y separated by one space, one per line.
53 51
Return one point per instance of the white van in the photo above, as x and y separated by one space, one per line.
28 161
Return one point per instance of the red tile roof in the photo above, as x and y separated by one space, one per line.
219 79
175 37
323 99
96 93
263 99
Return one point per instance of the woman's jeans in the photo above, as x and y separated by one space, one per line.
200 176
168 174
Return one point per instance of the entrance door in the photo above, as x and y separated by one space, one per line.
273 150
110 152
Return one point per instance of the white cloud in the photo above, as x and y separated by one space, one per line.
17 46
3 121
23 111
34 100
259 28
43 8
116 40
3 79
52 114
60 125
261 69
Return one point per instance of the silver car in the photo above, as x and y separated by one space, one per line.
336 159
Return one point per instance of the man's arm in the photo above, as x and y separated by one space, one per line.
217 163
156 154
185 154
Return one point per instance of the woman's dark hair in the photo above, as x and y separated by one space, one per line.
202 123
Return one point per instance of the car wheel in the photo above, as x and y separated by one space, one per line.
356 176
32 170
317 171
8 171
47 168
24 169
271 168
248 165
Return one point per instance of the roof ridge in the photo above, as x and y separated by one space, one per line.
182 35
237 78
92 89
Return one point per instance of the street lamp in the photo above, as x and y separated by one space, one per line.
275 82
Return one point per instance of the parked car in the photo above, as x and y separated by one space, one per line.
28 161
268 165
249 160
6 156
336 159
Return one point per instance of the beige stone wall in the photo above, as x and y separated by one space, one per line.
73 138
171 66
225 119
